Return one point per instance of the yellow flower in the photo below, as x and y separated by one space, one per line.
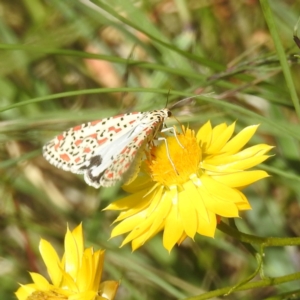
75 277
187 185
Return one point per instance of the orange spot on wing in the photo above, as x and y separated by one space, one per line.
87 150
60 138
113 128
93 123
118 116
78 142
124 150
110 175
101 142
78 127
77 160
65 157
94 135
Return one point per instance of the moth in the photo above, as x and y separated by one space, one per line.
107 150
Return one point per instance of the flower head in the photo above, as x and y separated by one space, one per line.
75 277
186 186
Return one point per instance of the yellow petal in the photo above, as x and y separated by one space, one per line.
204 136
219 198
69 283
208 230
147 220
146 204
248 162
108 289
142 239
98 264
73 254
188 216
138 200
173 229
157 196
241 179
240 140
142 182
243 204
219 206
24 291
221 135
182 238
77 234
139 230
256 150
127 214
51 261
216 132
224 159
127 225
85 274
159 216
191 192
235 166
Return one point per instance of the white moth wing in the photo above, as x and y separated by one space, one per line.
104 150
73 149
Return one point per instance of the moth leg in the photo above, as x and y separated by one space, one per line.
174 133
168 153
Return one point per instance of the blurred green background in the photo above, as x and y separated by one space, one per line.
66 62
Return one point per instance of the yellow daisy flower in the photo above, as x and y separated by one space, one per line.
185 187
76 277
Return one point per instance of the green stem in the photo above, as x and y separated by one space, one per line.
252 239
250 285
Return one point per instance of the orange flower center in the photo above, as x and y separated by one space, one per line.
173 161
46 295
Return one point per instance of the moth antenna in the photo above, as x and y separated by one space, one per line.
126 74
167 98
182 100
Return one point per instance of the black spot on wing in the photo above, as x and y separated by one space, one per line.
93 178
94 161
